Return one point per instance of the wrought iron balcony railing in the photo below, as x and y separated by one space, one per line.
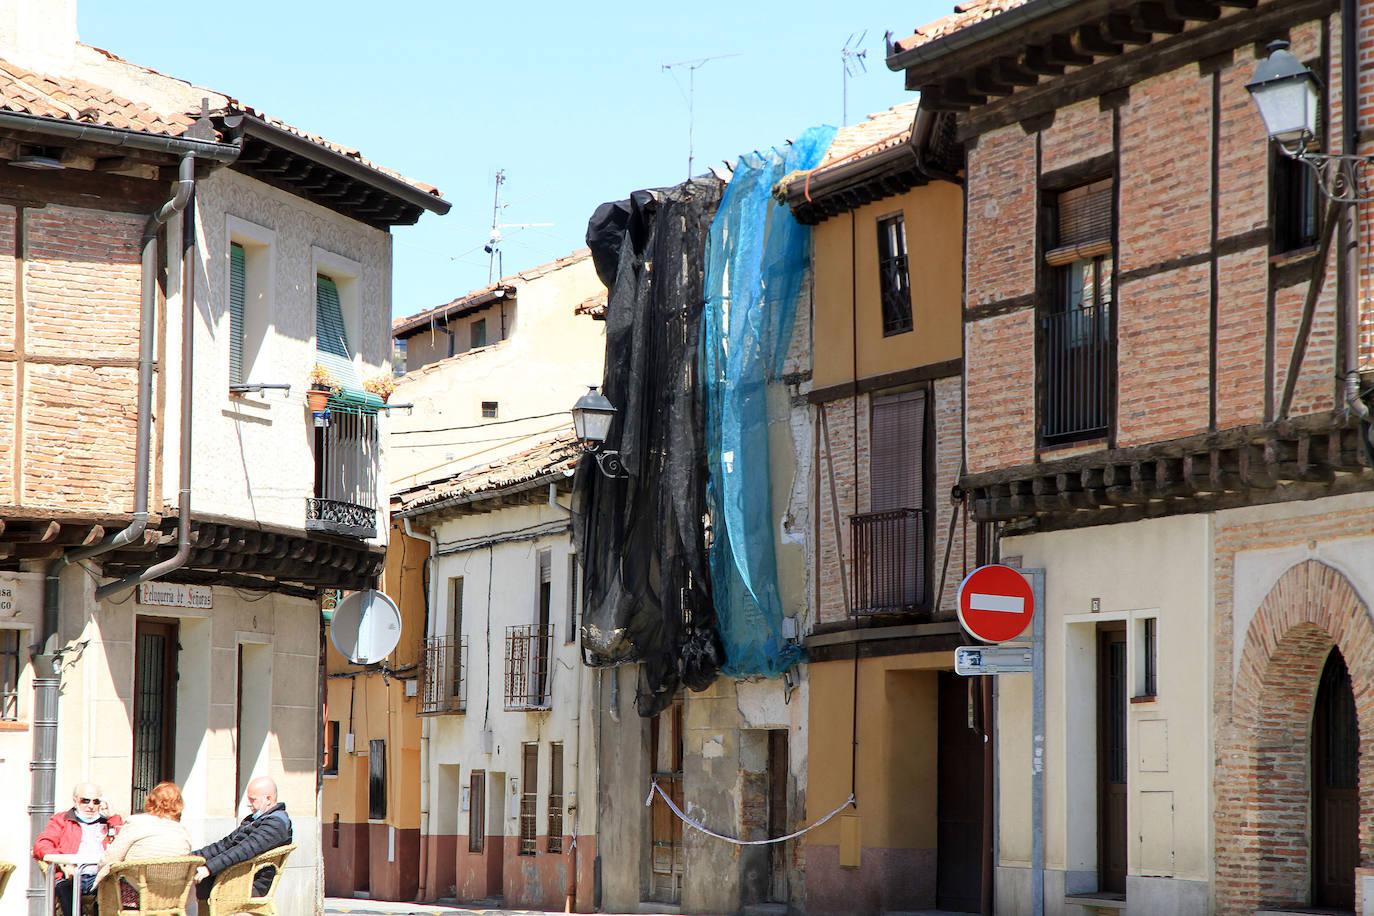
1080 373
889 561
444 676
346 454
528 650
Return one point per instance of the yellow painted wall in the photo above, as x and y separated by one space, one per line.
897 764
934 229
379 707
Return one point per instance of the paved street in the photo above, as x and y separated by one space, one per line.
336 906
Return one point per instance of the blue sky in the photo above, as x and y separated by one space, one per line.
569 99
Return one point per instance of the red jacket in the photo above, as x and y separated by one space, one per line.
63 833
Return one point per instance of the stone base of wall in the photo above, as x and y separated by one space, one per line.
1144 896
886 879
366 859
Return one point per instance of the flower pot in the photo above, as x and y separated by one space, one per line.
318 399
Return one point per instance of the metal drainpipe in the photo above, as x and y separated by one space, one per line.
188 312
1348 240
43 788
432 562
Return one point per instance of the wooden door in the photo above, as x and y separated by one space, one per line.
665 831
155 704
1111 759
1335 788
959 827
777 815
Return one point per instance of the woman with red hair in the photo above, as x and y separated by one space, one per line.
155 834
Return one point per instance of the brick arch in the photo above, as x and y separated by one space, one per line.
1262 781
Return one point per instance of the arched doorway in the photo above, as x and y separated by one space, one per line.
1335 788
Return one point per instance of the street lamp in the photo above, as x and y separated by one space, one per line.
592 416
1286 93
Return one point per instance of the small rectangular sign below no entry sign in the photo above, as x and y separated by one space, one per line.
978 660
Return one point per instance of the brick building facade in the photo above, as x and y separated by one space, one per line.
1154 354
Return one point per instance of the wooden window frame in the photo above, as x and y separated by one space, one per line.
529 799
554 815
331 748
894 276
477 811
376 779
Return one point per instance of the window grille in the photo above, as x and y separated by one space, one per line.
347 454
376 779
489 410
555 834
894 277
444 676
9 675
528 650
1149 659
529 800
331 748
477 811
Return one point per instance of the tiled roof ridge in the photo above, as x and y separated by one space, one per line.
964 15
560 448
906 110
74 99
236 106
533 273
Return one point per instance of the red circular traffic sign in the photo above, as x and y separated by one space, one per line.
995 603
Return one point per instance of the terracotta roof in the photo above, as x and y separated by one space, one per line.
879 132
593 305
553 456
25 92
486 293
964 15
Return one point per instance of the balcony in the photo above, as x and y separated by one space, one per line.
444 676
528 650
346 453
1079 367
889 561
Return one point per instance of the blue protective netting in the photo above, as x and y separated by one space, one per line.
757 257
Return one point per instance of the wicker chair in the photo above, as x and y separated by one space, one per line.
87 900
6 869
163 885
232 891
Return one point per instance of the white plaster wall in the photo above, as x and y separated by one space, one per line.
549 357
500 590
16 742
1156 568
253 454
96 711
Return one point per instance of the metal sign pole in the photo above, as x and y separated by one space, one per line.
1037 577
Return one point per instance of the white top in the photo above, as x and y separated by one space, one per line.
92 843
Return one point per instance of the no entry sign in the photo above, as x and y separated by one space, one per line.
995 603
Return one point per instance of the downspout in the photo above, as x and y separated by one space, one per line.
1348 241
570 897
188 312
431 563
44 766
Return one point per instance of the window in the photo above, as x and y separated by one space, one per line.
477 811
894 279
455 606
489 410
1293 203
529 799
574 586
331 333
1149 658
376 779
478 332
331 748
248 282
889 567
9 675
555 834
1079 327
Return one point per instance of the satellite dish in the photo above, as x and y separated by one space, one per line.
366 626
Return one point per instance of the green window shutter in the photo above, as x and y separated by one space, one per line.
331 336
238 284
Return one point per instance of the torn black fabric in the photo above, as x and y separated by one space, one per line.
642 538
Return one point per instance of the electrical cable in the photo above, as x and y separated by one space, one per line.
445 429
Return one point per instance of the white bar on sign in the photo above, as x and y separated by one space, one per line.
1001 604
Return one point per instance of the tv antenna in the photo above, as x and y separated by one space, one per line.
851 57
692 67
493 246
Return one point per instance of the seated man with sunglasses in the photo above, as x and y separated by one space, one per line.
86 829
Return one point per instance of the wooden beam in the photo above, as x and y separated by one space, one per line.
1037 59
1122 28
1154 16
1196 10
1010 71
1091 39
1062 50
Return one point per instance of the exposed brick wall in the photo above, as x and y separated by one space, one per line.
999 368
79 437
1242 162
851 495
1316 388
81 282
1162 359
1242 308
1000 237
1080 131
1263 733
6 278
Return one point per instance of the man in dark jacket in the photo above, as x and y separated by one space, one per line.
266 827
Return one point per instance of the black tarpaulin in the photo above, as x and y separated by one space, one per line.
642 537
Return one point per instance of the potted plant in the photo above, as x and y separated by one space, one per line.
381 384
323 386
